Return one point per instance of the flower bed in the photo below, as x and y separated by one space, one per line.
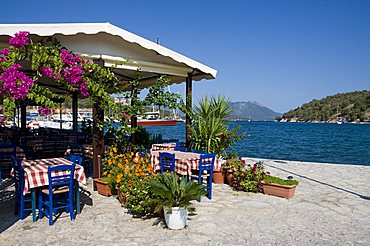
129 173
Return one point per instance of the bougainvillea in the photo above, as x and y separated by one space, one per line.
20 39
68 70
15 84
44 111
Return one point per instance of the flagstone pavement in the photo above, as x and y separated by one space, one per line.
331 207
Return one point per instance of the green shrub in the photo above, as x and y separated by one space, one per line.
276 180
249 178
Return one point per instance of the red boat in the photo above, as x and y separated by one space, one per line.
158 122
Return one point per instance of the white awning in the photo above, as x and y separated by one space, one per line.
113 44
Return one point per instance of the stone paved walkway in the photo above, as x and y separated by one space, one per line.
331 207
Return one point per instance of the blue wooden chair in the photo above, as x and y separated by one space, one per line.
7 150
167 161
59 194
76 159
180 148
198 151
143 152
206 165
180 144
22 200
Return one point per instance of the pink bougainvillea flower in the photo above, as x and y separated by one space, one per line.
69 58
4 51
44 111
15 83
20 39
47 71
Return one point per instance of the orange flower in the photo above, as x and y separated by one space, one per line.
109 162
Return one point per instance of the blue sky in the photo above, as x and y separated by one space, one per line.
279 53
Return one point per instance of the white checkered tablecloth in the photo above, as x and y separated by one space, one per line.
166 146
184 161
36 172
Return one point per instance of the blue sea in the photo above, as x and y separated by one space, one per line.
313 142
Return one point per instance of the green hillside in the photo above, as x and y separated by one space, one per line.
354 106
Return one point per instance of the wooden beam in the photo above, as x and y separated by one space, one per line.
98 134
133 118
23 116
189 101
60 116
74 111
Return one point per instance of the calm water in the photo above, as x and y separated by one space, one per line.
315 142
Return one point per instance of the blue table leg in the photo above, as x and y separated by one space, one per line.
33 192
78 208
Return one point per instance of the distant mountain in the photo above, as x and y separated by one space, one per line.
253 111
351 106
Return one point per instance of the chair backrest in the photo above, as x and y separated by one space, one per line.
18 174
167 161
61 175
75 159
207 162
143 152
198 151
180 144
6 151
179 148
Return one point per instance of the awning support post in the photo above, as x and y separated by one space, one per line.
98 133
189 102
74 111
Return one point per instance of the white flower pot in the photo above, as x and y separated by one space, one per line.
178 219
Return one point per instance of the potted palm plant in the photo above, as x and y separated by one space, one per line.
174 196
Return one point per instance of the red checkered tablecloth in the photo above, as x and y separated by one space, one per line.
36 172
166 146
184 161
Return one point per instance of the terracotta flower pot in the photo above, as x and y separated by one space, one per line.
218 177
284 191
103 187
230 178
122 198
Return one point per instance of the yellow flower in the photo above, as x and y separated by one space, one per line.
109 162
115 150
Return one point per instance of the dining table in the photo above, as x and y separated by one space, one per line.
163 146
36 175
185 162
